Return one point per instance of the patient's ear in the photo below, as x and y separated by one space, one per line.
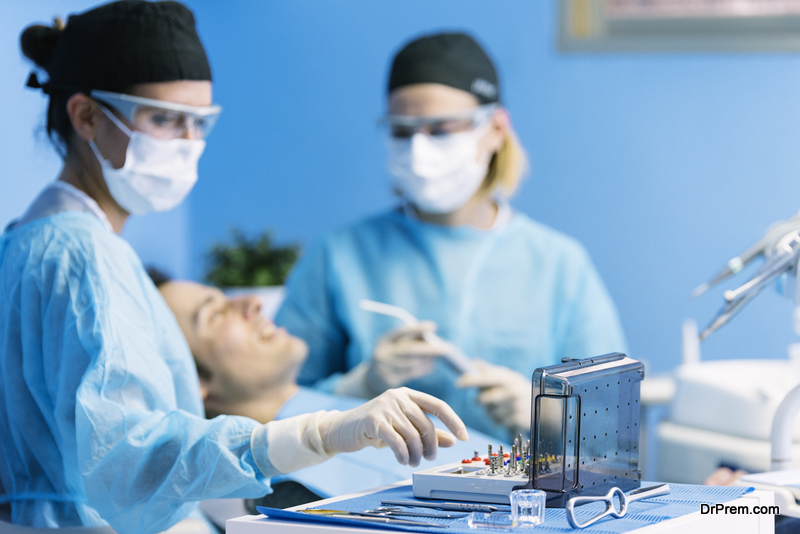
204 377
204 388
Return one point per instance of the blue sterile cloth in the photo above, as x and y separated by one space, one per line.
683 499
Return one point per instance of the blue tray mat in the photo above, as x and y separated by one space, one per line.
684 499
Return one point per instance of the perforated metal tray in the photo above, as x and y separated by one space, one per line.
585 427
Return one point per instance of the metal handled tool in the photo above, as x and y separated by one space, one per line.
397 511
451 506
611 508
454 356
370 517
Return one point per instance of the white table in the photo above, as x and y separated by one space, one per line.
689 524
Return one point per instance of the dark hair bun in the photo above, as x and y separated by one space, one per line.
38 42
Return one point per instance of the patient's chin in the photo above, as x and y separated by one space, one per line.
298 350
303 349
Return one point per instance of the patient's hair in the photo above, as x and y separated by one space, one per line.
158 276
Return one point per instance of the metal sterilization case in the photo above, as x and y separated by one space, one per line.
585 427
585 439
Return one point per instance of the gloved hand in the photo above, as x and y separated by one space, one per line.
401 355
505 393
397 419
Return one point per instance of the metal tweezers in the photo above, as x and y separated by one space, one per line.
611 509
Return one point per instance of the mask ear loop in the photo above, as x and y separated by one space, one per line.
119 124
113 118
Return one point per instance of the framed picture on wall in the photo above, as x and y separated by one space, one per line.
679 25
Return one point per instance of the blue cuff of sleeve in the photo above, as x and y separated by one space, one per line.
259 448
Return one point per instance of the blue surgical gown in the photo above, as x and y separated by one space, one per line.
100 411
520 295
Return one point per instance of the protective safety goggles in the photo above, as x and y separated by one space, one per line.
405 126
161 119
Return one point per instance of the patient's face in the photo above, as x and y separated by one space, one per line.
238 351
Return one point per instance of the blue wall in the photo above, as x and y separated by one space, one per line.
664 166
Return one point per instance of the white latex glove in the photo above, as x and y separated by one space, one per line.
400 356
505 393
395 419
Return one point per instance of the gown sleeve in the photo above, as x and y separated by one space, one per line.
142 451
309 313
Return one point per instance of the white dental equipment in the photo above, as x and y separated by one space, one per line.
780 246
454 356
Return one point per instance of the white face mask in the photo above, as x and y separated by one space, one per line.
439 174
157 174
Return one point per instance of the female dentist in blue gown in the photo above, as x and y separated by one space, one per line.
504 289
100 411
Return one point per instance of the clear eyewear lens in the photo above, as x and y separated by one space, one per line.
162 120
405 126
166 124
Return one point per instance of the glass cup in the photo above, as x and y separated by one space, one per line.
527 507
489 521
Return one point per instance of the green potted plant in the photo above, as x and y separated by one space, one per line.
255 265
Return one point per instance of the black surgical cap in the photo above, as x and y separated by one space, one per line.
124 43
452 59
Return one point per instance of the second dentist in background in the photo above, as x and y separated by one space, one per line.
504 289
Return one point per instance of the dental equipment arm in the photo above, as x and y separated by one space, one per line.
782 479
782 427
762 247
779 261
782 254
728 312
